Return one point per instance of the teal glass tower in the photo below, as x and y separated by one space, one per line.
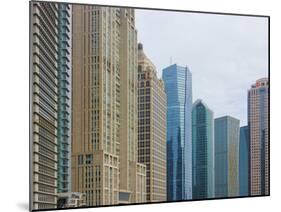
244 153
64 101
202 151
226 156
178 88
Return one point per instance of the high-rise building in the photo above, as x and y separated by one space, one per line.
95 104
104 151
64 98
259 140
226 156
244 161
152 127
50 87
135 185
202 151
178 88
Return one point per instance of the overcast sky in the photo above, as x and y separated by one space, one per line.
225 54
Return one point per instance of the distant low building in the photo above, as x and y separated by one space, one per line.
226 156
244 148
71 200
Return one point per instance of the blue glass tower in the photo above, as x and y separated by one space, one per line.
202 151
178 88
226 156
244 149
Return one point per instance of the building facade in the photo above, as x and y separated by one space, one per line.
226 156
152 128
259 138
178 88
50 130
71 200
244 161
104 160
129 182
202 151
95 109
64 98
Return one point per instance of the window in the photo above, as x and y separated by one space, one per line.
80 159
89 159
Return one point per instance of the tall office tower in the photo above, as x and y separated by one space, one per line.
226 156
178 88
64 98
95 103
130 182
259 143
202 151
104 135
152 127
244 161
44 88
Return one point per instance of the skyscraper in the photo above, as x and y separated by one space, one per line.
95 104
202 151
44 64
50 71
259 143
226 156
64 98
132 173
152 127
178 88
244 161
104 152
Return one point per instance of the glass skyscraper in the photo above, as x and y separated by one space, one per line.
244 161
64 95
226 156
178 88
202 151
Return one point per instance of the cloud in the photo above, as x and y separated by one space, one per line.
226 54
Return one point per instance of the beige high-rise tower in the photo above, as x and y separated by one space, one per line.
152 127
259 142
132 173
104 164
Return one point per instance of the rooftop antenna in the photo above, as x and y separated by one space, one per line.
171 60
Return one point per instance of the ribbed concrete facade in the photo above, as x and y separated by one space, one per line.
44 103
259 140
104 106
152 128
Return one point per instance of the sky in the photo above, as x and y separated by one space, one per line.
225 54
